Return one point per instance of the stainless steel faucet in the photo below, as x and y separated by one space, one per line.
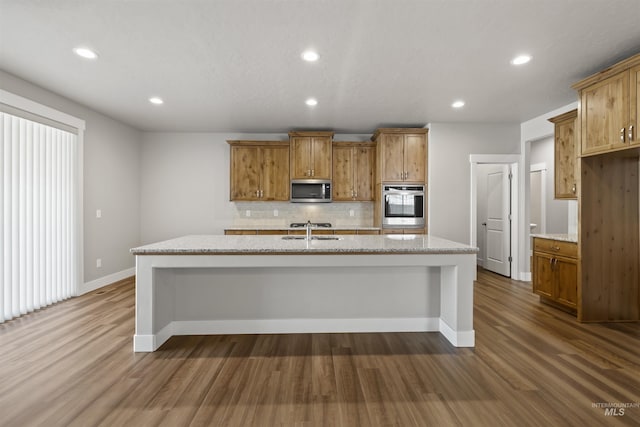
308 230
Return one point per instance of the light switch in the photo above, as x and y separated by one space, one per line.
98 213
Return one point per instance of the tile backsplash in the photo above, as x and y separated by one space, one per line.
281 214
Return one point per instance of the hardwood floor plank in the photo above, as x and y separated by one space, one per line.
72 364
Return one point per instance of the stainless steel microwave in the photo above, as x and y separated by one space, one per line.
310 191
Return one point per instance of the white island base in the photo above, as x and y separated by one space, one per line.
316 291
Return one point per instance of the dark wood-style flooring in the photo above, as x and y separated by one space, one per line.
73 364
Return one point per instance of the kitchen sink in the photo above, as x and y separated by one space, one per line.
312 237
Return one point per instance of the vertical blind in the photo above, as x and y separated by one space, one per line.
38 215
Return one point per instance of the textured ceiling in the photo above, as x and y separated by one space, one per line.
235 66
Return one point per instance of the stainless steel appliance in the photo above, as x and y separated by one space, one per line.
310 190
403 206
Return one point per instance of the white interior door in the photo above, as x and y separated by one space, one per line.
498 239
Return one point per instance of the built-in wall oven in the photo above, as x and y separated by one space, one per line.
403 206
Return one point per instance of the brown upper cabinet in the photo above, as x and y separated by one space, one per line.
566 153
259 170
310 155
401 154
609 108
353 171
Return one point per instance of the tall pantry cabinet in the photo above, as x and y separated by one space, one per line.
609 194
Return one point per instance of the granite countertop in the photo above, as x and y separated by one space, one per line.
348 244
572 238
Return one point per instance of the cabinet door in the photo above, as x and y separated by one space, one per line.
321 157
275 173
565 159
245 173
635 106
392 155
566 281
543 274
300 157
605 114
363 175
415 157
343 173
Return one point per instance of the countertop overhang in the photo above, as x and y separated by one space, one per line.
276 245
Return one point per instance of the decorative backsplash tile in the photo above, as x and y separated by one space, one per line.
281 214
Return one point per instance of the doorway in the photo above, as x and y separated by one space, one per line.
494 211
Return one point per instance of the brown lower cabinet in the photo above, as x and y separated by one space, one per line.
403 231
555 272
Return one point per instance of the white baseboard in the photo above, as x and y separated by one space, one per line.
106 280
147 343
525 277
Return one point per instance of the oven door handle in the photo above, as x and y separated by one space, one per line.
403 193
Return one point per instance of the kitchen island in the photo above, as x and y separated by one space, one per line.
215 284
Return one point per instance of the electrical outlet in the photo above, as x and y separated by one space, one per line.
99 213
352 212
275 212
99 263
247 213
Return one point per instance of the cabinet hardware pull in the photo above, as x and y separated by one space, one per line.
622 134
313 172
630 132
556 248
551 263
257 193
573 189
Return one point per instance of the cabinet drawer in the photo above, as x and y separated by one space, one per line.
567 249
240 232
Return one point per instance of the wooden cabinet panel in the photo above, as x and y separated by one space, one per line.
240 232
245 173
391 151
364 168
321 157
415 157
401 154
353 171
555 271
566 276
542 274
311 155
555 247
633 135
605 112
609 108
342 173
275 173
259 170
566 154
300 158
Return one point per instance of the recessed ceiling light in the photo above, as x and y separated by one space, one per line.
156 100
310 56
311 102
458 104
85 52
520 60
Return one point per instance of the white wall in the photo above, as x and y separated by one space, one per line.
557 211
530 131
184 186
450 145
111 163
